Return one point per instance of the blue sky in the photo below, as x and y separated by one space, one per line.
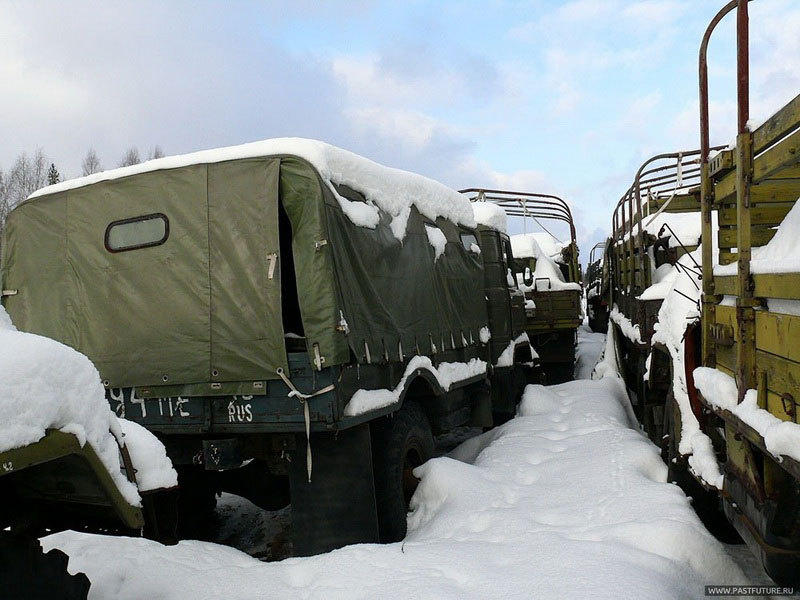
559 97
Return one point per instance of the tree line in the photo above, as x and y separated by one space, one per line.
31 171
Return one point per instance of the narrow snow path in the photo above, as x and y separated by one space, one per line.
564 501
590 345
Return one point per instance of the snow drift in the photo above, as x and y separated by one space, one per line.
564 501
47 385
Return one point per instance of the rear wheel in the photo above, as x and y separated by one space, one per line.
400 443
559 372
197 501
27 573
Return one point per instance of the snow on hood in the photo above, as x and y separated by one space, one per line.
546 243
47 385
524 245
490 215
391 190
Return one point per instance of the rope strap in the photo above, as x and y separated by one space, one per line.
295 393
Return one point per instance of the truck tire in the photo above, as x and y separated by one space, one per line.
559 372
27 573
197 501
399 444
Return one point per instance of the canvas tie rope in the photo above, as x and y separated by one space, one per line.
295 393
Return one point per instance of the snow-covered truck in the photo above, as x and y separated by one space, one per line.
293 321
596 288
655 235
549 274
67 462
713 366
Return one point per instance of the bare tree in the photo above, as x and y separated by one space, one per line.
28 174
91 164
156 152
131 157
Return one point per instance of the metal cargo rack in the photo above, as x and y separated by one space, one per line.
535 206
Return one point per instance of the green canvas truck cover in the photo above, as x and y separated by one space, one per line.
168 272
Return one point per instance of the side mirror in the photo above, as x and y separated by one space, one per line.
527 276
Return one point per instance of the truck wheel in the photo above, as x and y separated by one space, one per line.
559 373
399 444
197 500
27 573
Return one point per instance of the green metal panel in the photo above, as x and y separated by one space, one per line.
56 445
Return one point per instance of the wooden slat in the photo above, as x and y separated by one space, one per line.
785 189
767 285
758 236
762 214
722 162
726 360
783 376
680 203
777 158
777 285
778 125
778 334
725 286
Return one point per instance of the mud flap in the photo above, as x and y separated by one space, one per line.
338 507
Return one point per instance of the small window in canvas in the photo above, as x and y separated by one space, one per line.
137 232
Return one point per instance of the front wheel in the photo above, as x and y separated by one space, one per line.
26 572
400 443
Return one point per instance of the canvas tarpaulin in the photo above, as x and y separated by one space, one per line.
196 308
394 293
202 307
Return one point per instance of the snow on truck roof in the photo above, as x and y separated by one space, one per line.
386 188
490 215
532 245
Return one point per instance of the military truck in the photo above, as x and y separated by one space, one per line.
655 223
549 275
722 388
596 289
746 337
293 321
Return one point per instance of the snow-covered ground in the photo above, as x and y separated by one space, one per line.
564 501
590 345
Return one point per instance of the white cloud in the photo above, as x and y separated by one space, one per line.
412 129
653 14
640 115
